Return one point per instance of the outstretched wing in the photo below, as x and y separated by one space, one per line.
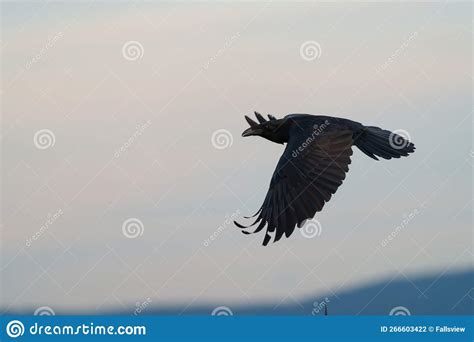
310 170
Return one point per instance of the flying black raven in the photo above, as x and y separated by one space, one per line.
313 165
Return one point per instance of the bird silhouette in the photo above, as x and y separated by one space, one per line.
313 166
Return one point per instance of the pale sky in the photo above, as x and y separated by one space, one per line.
200 67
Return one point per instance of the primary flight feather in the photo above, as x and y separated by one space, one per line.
313 165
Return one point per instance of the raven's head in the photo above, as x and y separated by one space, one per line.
272 129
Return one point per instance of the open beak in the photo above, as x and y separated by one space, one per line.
252 131
255 128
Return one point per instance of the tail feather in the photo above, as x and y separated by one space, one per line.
376 142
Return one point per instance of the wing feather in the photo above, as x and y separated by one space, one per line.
301 185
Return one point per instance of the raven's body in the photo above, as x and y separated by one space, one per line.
314 164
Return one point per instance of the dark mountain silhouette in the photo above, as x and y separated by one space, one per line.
435 294
444 294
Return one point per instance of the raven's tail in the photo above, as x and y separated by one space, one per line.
376 142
